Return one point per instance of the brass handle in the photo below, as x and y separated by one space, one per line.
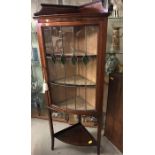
111 78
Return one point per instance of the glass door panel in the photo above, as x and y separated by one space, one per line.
71 56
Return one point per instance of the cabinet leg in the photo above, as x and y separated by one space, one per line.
51 129
98 149
52 144
79 118
99 137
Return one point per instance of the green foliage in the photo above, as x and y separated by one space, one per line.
74 60
85 59
53 58
63 59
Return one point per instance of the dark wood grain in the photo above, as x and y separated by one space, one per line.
100 78
48 9
114 114
81 138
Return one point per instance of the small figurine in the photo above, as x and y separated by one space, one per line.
116 38
117 6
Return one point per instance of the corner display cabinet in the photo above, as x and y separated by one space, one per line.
72 42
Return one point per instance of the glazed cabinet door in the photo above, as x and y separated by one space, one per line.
71 60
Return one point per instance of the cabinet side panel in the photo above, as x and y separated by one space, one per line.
43 61
100 66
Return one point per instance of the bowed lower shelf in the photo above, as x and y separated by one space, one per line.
81 138
72 81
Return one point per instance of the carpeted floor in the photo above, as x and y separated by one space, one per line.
41 144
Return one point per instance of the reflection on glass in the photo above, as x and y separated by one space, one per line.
71 55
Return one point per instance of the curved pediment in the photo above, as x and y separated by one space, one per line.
89 8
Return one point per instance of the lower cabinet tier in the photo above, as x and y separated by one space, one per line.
77 103
76 135
75 80
74 98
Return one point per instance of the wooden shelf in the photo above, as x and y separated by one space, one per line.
73 119
76 135
54 107
69 54
77 103
114 52
116 18
74 81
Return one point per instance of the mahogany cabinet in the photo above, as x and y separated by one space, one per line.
72 43
114 113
